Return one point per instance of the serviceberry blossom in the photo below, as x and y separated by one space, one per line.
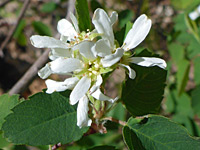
76 54
87 58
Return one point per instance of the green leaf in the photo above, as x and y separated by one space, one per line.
158 133
177 52
144 94
179 104
48 7
118 112
41 28
183 4
95 4
121 35
20 28
197 70
196 100
103 148
43 120
83 16
6 104
182 75
124 17
3 142
22 40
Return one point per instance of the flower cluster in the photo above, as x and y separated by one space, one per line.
87 58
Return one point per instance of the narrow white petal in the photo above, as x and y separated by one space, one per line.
53 86
59 52
65 28
132 73
75 22
137 33
103 25
47 42
100 96
113 17
85 49
45 71
101 48
80 90
110 60
65 65
194 15
149 61
97 84
82 113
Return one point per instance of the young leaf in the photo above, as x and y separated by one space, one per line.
124 17
6 104
158 133
3 142
41 28
144 94
43 120
197 70
196 100
103 148
48 7
182 75
83 16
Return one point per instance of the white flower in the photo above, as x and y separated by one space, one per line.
135 36
195 14
79 58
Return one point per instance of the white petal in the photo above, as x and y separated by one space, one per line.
65 65
110 60
194 15
59 52
100 96
101 48
80 90
132 73
113 17
137 33
47 42
65 28
75 22
149 62
103 25
198 8
53 86
97 84
45 71
85 48
82 113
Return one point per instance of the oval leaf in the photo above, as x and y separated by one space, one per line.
144 94
43 120
158 133
6 104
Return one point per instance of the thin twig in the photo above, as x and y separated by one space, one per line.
31 73
28 77
70 8
2 4
12 30
123 123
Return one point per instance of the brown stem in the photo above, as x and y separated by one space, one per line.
2 4
12 30
123 123
28 77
